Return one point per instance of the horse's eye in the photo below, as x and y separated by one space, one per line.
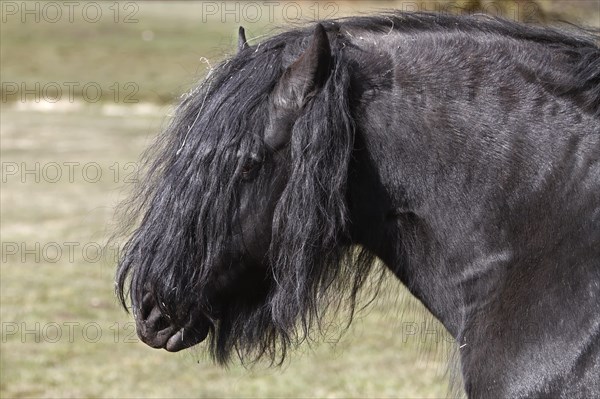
251 167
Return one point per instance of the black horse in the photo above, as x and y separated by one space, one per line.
463 152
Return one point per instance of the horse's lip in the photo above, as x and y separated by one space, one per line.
173 338
188 336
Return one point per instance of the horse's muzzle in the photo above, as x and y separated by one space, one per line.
157 331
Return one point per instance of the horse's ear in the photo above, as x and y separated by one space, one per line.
242 43
307 74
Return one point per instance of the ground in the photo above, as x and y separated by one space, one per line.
63 333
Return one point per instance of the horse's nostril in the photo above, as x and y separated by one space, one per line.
147 306
156 320
151 315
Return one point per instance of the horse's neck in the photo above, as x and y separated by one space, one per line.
462 166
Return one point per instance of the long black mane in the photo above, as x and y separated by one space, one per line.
578 46
183 207
180 197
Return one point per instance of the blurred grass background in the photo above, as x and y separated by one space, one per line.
63 334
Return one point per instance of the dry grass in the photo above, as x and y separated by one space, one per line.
386 353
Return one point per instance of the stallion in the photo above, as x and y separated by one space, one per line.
461 152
